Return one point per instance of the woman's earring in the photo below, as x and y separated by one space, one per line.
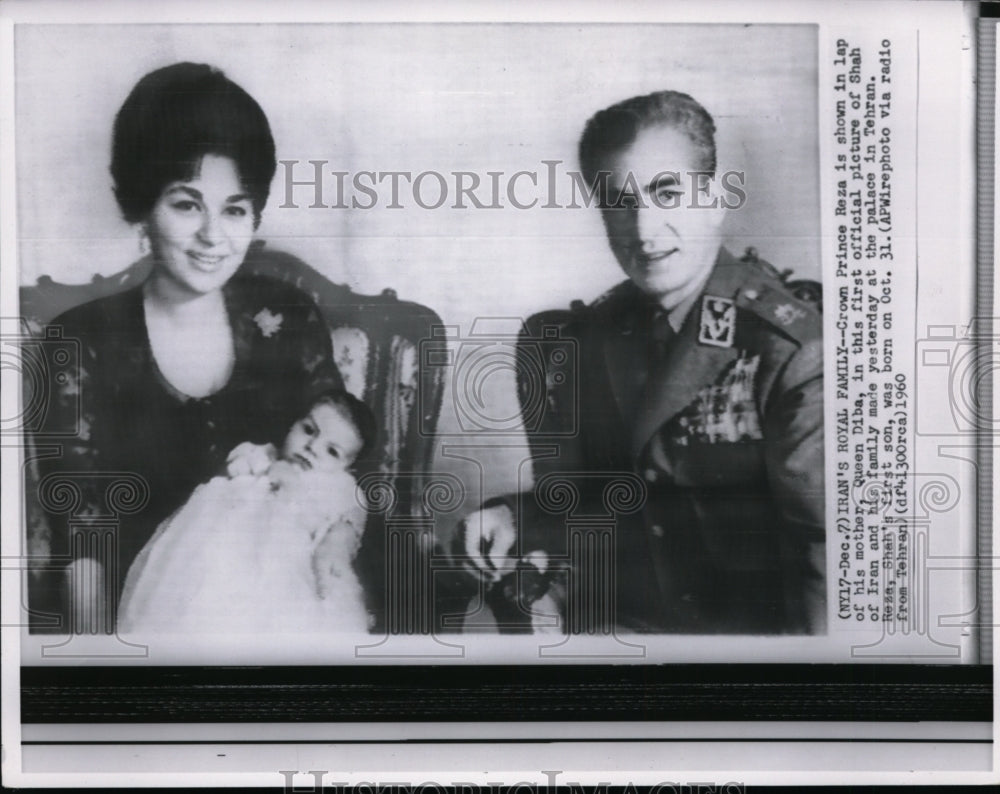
144 246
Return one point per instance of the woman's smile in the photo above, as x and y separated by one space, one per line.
200 228
207 260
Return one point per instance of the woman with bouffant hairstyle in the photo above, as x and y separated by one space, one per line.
177 371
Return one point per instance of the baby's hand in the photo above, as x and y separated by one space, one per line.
249 459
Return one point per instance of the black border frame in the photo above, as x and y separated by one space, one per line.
494 693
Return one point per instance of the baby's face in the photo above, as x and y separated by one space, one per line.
322 440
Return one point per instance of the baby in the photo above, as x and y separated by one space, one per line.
269 547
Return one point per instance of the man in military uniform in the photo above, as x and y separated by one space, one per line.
700 373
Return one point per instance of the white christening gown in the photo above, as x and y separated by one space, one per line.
264 554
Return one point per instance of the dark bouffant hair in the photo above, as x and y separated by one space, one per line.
173 117
615 128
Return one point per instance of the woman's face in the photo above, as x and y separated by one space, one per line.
200 229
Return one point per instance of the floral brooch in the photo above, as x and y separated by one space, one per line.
268 322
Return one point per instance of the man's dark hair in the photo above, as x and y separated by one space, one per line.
359 414
615 128
172 118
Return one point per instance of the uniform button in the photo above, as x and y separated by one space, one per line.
650 475
751 294
657 530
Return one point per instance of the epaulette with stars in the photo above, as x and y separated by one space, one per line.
772 296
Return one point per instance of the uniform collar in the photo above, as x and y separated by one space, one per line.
677 315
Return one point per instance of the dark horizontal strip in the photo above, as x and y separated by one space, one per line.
883 693
568 740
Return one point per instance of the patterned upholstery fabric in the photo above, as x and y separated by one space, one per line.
376 342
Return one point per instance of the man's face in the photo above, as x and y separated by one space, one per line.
663 243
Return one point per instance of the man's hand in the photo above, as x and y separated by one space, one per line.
250 459
488 539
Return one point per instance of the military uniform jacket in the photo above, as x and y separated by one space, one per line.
718 431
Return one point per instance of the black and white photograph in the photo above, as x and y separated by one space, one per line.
250 387
339 341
